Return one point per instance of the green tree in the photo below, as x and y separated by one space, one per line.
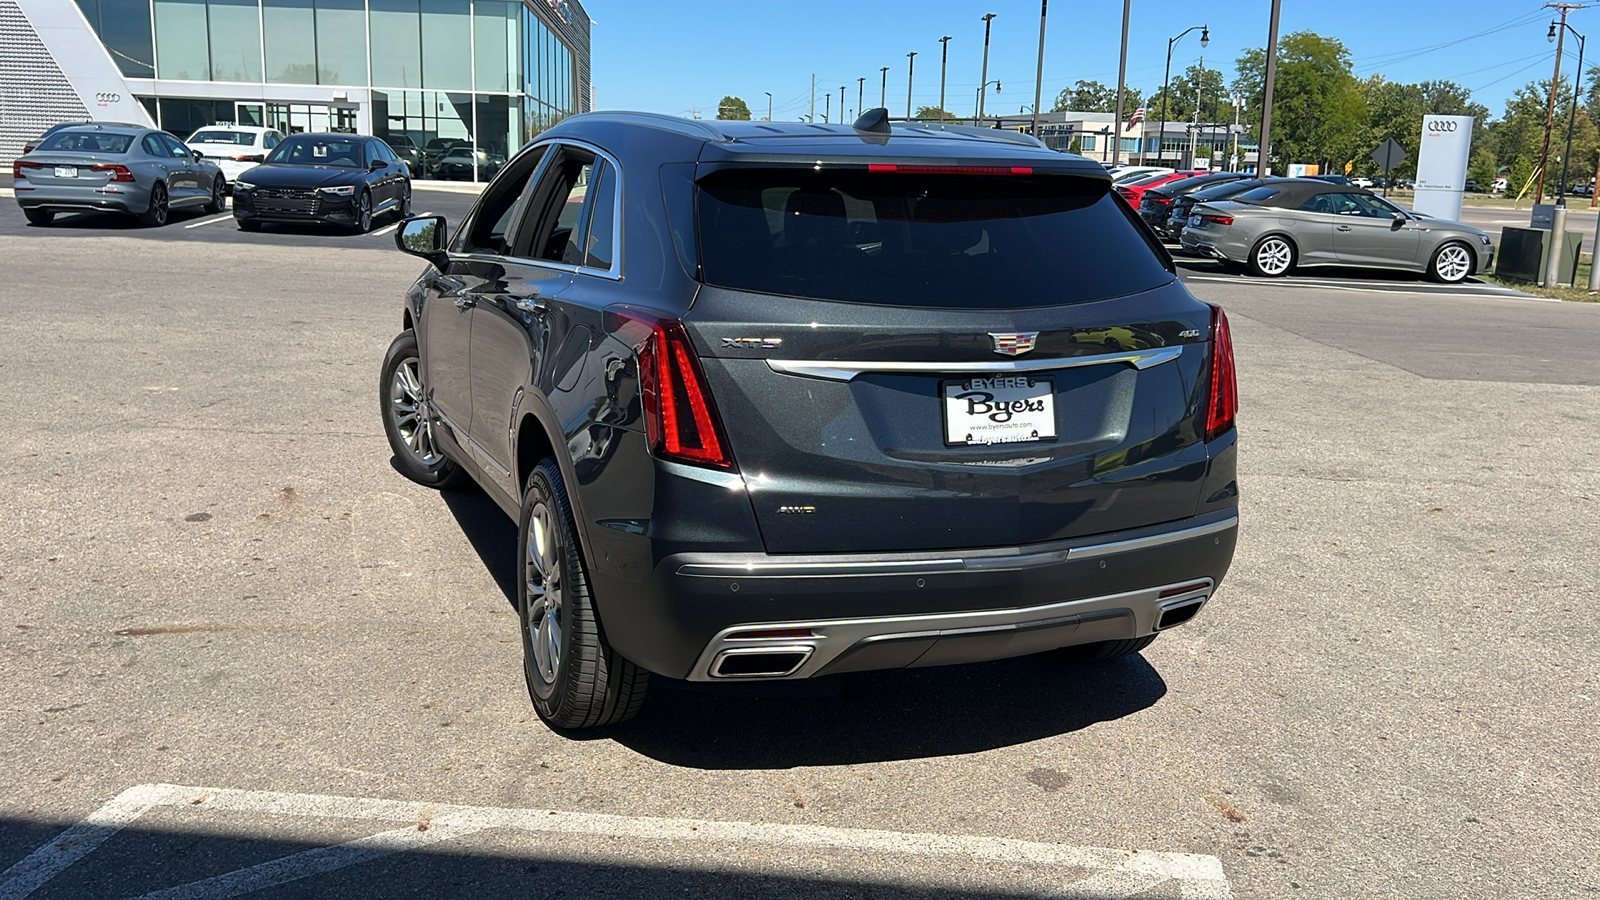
1077 144
1394 110
1208 85
1520 177
1092 96
935 114
1483 169
1319 114
731 107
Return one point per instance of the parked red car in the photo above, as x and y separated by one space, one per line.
1134 193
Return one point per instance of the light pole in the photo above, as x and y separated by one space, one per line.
911 70
1122 82
1194 127
944 61
983 82
1550 112
1572 114
827 103
769 105
1166 80
1264 148
841 104
1038 78
883 90
979 98
861 85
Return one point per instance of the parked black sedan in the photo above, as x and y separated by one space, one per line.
1157 202
339 179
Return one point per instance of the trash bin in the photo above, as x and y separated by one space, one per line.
1521 254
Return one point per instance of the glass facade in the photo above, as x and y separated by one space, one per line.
490 73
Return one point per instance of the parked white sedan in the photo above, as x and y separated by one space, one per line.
234 148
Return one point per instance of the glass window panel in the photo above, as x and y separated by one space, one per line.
341 44
602 215
235 40
124 29
447 44
291 58
181 38
396 43
495 45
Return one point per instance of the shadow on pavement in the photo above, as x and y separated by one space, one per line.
492 535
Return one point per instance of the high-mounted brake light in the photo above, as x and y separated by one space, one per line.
949 170
118 172
19 165
1224 399
680 419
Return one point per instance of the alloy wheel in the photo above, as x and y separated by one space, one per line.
413 416
1453 264
158 205
543 617
364 213
1273 256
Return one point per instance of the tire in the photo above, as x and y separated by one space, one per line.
1106 650
249 225
1272 257
576 681
40 217
156 215
363 217
403 211
408 420
218 202
1451 263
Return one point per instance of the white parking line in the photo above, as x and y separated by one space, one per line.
226 218
1100 872
391 227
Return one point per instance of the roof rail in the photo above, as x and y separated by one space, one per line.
687 127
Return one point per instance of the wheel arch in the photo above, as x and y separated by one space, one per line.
535 438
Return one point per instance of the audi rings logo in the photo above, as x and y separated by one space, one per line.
1438 127
103 98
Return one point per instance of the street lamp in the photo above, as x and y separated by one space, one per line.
861 85
1166 80
769 105
883 90
980 92
1572 114
911 70
983 81
944 60
841 104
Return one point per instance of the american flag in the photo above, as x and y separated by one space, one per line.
1138 116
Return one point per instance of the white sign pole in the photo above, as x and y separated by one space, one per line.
1442 165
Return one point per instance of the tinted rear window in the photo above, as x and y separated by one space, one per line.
319 151
957 241
1258 195
87 142
212 136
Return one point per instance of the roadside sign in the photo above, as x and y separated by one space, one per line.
1389 154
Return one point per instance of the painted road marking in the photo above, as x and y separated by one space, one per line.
226 218
383 231
1379 287
1111 873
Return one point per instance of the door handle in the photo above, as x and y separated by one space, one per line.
529 303
1344 227
465 303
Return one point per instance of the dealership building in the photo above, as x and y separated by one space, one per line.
490 72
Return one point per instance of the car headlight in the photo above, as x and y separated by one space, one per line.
243 185
1484 238
342 190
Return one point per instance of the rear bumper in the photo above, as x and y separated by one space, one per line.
717 615
118 197
1206 249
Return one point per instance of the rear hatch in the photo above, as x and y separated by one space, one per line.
69 169
938 358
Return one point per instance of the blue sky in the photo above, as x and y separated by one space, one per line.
679 57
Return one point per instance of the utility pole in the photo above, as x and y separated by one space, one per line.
841 104
813 116
983 83
1194 120
1038 77
883 89
827 101
1550 111
769 105
1233 159
911 71
1264 153
1122 81
861 85
944 61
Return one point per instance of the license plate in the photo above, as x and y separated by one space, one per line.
1195 221
999 409
66 171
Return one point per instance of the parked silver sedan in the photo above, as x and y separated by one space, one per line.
115 168
1275 228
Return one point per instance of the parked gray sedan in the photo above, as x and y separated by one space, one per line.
1274 228
115 168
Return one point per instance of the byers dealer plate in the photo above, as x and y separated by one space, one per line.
1001 409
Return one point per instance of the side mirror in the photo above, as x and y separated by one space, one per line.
1401 218
375 165
424 236
197 154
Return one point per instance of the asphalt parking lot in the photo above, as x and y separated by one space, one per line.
242 654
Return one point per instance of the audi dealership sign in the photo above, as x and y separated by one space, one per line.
1442 165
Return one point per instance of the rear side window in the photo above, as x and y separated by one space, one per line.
936 240
1258 195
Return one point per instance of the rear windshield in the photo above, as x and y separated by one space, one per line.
318 151
1258 195
956 241
87 142
212 136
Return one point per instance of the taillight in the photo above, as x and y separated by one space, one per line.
27 148
118 172
19 165
680 419
1224 402
1218 220
1160 201
246 157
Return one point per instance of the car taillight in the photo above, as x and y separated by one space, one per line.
1218 220
680 419
1160 201
949 170
118 172
1224 401
19 165
246 157
27 148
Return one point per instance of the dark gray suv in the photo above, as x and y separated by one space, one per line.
779 401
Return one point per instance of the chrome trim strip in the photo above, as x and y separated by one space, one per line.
950 564
832 370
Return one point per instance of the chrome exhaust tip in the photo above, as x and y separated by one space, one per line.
1179 612
760 662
